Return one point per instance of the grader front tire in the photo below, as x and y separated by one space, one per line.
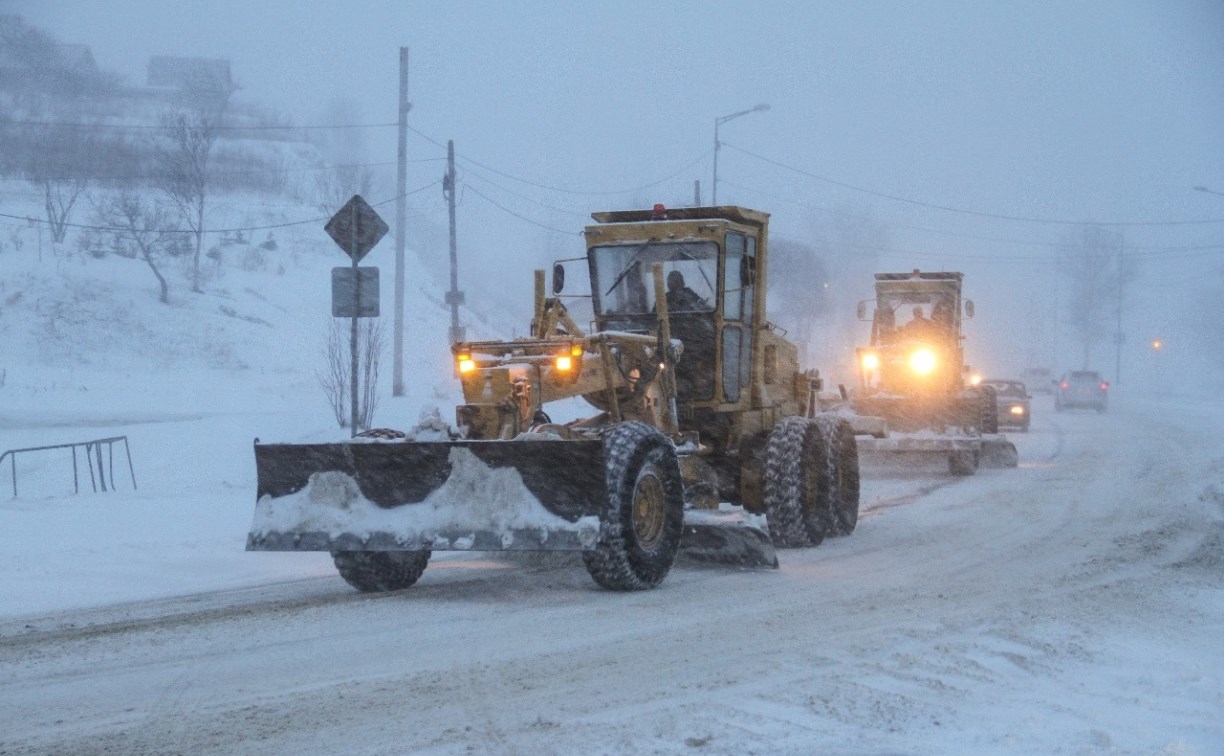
377 571
641 528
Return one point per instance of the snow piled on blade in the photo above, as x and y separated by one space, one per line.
474 498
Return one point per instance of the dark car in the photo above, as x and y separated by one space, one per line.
1082 388
1014 403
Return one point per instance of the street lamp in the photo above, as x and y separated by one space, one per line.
718 145
1197 189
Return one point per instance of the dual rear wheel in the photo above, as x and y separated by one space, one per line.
811 486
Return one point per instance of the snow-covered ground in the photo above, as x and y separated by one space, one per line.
1072 605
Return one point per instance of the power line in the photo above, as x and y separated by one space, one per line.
550 188
222 174
1005 240
962 211
525 197
164 127
287 224
516 215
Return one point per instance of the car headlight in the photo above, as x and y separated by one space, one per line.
1017 409
923 361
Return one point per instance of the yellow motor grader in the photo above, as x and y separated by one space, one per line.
914 377
704 425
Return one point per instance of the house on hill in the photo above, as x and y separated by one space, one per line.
191 76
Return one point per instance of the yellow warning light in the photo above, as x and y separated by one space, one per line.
576 350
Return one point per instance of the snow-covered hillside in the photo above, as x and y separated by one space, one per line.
86 336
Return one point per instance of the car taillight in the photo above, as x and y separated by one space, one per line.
1064 385
1104 386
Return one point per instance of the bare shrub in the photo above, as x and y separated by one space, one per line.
334 375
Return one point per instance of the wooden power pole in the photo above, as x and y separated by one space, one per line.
401 228
454 297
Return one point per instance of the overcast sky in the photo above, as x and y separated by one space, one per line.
934 118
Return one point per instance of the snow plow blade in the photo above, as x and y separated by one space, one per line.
439 495
997 451
730 538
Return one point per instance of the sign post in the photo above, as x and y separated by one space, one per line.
355 228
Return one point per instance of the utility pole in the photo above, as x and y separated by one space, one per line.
401 228
454 297
696 192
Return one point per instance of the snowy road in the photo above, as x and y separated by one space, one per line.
1073 605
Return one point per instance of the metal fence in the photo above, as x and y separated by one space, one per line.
100 470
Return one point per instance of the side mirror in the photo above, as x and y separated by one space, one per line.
968 308
558 278
862 310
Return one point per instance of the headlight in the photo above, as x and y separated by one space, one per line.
871 361
1017 409
564 363
975 380
922 361
466 363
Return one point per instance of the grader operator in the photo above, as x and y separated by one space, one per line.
704 423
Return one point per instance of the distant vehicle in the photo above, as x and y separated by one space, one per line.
1082 388
1038 380
1014 403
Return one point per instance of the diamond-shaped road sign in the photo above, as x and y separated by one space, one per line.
356 228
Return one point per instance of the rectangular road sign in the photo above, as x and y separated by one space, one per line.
344 293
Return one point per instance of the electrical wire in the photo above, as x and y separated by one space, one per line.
516 215
464 158
962 211
1004 240
287 224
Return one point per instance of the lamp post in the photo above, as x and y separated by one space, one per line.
1209 191
719 121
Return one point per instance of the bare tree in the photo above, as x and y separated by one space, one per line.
59 164
336 185
190 136
1097 270
798 291
149 228
334 375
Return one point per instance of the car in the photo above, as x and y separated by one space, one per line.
1084 389
1014 404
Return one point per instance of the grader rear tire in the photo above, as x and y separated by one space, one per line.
798 506
377 571
844 480
640 531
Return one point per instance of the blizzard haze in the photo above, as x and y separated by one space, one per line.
1050 151
899 135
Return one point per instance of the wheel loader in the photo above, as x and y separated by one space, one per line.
913 376
703 433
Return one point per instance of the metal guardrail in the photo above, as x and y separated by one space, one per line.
98 472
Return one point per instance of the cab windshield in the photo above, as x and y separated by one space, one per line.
622 279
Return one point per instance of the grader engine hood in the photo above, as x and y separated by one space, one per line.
441 495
